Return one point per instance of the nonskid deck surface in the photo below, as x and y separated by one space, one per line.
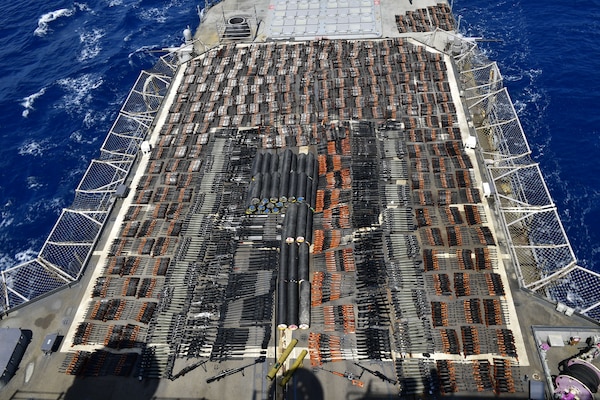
330 167
403 262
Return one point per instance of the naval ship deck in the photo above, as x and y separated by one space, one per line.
312 179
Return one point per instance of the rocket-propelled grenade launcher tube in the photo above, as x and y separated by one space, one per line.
290 372
286 353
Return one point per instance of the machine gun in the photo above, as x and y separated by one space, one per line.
187 369
377 374
348 375
232 371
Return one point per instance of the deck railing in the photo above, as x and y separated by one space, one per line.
66 251
544 260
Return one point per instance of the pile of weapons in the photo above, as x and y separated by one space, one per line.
503 376
279 179
287 181
293 285
293 298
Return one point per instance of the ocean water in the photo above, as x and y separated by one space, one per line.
65 70
66 67
549 54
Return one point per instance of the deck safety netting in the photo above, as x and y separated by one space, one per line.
74 227
484 76
123 139
100 176
66 258
28 281
92 201
503 129
578 289
544 257
68 247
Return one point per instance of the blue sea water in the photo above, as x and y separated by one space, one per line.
65 70
66 67
549 54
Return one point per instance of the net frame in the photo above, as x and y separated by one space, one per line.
543 256
66 251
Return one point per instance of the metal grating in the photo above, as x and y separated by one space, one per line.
545 260
65 252
331 19
27 281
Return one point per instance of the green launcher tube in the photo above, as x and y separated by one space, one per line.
282 358
290 372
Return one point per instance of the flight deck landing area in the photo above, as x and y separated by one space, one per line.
310 215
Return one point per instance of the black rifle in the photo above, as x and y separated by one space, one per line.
377 374
232 371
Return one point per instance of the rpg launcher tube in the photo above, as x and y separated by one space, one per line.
308 191
281 309
289 223
255 188
301 187
282 358
290 372
292 288
301 164
274 167
303 262
265 191
285 175
301 223
294 165
315 183
275 184
304 305
308 236
293 187
266 163
257 164
310 165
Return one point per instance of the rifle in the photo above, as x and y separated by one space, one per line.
232 371
187 369
348 375
377 374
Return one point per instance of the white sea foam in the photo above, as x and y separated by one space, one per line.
77 173
8 261
159 14
33 183
91 43
90 118
155 14
78 91
82 7
26 255
29 100
33 148
43 206
93 118
78 137
7 219
45 19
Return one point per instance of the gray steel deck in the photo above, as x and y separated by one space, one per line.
410 276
